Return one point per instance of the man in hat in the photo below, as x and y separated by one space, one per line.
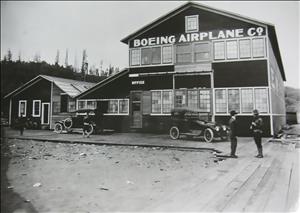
232 134
256 128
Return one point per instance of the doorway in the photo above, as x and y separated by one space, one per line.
136 112
45 113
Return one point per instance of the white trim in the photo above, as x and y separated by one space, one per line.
9 114
33 108
43 109
25 107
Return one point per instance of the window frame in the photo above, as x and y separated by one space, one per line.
130 57
33 108
209 52
25 107
224 50
162 102
187 30
264 47
237 49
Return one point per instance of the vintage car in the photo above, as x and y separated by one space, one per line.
75 122
193 123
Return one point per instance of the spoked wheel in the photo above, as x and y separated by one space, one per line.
90 130
58 128
208 135
174 133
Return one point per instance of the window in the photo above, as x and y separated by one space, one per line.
135 57
36 108
156 101
124 106
72 105
146 56
167 55
261 99
204 99
245 48
151 56
180 98
192 99
219 50
56 107
184 53
64 103
258 47
167 101
191 23
22 108
112 106
232 49
156 55
233 100
91 104
221 101
82 104
247 100
201 52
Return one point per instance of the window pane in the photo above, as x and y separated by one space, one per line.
245 48
261 100
123 106
112 106
219 50
258 46
72 106
22 108
233 100
135 57
146 56
232 49
192 99
156 55
180 98
167 101
91 105
202 52
204 96
221 101
156 101
167 54
36 108
247 100
191 23
81 104
184 53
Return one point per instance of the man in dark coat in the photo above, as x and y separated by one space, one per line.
256 128
232 134
21 123
86 125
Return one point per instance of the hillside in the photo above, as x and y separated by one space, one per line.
292 99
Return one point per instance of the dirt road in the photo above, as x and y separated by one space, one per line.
89 178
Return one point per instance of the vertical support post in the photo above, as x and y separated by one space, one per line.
50 107
173 90
9 114
213 95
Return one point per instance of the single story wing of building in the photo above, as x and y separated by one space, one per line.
45 99
198 57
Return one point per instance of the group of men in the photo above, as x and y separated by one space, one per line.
255 127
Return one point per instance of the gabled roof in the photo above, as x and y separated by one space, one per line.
270 27
104 82
69 86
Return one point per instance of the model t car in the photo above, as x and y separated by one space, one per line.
75 122
193 123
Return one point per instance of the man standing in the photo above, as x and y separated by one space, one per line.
21 123
232 134
256 127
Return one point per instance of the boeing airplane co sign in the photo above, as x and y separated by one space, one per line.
199 36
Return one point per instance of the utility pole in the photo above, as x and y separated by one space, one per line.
57 58
84 66
67 58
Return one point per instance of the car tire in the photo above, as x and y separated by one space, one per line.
58 128
91 130
174 133
208 135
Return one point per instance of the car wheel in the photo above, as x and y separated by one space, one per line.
174 133
208 135
90 129
58 128
68 123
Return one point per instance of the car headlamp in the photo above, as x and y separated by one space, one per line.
224 127
217 128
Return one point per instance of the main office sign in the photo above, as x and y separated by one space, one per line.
199 36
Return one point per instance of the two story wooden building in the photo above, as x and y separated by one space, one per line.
198 57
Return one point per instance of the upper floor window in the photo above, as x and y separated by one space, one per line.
167 55
135 57
184 53
151 55
245 48
219 50
201 52
231 49
191 23
258 47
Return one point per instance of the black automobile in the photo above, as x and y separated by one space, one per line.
193 123
75 122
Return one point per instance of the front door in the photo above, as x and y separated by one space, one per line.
136 106
45 113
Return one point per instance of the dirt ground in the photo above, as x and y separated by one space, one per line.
57 177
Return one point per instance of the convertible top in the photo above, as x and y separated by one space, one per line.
83 111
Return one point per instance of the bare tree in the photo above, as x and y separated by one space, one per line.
9 55
57 58
67 58
84 66
37 57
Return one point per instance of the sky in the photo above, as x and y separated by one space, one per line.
31 27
